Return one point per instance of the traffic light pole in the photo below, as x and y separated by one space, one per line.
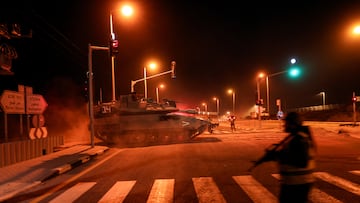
172 71
91 92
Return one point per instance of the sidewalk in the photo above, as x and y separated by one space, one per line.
21 176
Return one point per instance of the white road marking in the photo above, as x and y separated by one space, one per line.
117 192
355 172
74 192
38 199
254 189
317 195
162 191
339 182
207 191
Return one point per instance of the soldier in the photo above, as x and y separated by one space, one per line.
232 119
296 162
295 157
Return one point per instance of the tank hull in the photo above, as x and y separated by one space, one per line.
145 125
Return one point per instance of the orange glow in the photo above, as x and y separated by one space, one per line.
230 91
127 10
162 86
261 75
152 65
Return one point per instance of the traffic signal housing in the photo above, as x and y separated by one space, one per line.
114 47
173 64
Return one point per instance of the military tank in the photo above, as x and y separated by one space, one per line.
134 121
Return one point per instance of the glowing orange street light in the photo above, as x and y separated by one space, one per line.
217 104
157 91
231 91
205 106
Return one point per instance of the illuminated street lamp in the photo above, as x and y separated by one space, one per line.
171 71
260 76
157 92
205 106
323 99
231 91
126 11
151 66
217 105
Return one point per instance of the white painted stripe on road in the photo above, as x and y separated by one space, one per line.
254 189
162 191
355 172
73 193
317 195
207 191
339 182
118 192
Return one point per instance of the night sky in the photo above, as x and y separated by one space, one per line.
217 45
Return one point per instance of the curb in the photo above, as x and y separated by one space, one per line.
73 164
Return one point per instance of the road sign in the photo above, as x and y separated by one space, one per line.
35 104
13 102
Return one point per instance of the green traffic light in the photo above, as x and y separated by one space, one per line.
294 72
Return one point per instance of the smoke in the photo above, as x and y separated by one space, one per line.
67 112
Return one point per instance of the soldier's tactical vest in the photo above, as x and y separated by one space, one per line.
292 175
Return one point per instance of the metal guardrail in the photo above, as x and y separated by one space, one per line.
13 152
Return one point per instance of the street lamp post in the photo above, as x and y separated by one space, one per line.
157 92
293 72
205 107
230 91
217 105
126 11
323 99
260 76
112 37
171 71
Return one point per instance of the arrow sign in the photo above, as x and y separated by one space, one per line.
35 104
13 102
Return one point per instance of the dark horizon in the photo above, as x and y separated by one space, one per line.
216 47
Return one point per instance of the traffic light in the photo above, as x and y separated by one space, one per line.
173 63
114 47
294 72
86 90
354 99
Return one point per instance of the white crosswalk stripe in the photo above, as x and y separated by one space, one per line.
162 191
339 182
118 192
317 195
254 189
207 191
74 192
356 172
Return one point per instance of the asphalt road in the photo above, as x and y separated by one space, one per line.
212 168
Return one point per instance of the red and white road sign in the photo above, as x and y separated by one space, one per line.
35 104
13 102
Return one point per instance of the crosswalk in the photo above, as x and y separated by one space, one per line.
162 190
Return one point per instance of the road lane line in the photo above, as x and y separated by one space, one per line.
207 191
58 187
118 192
254 189
73 193
355 172
162 191
339 182
317 195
